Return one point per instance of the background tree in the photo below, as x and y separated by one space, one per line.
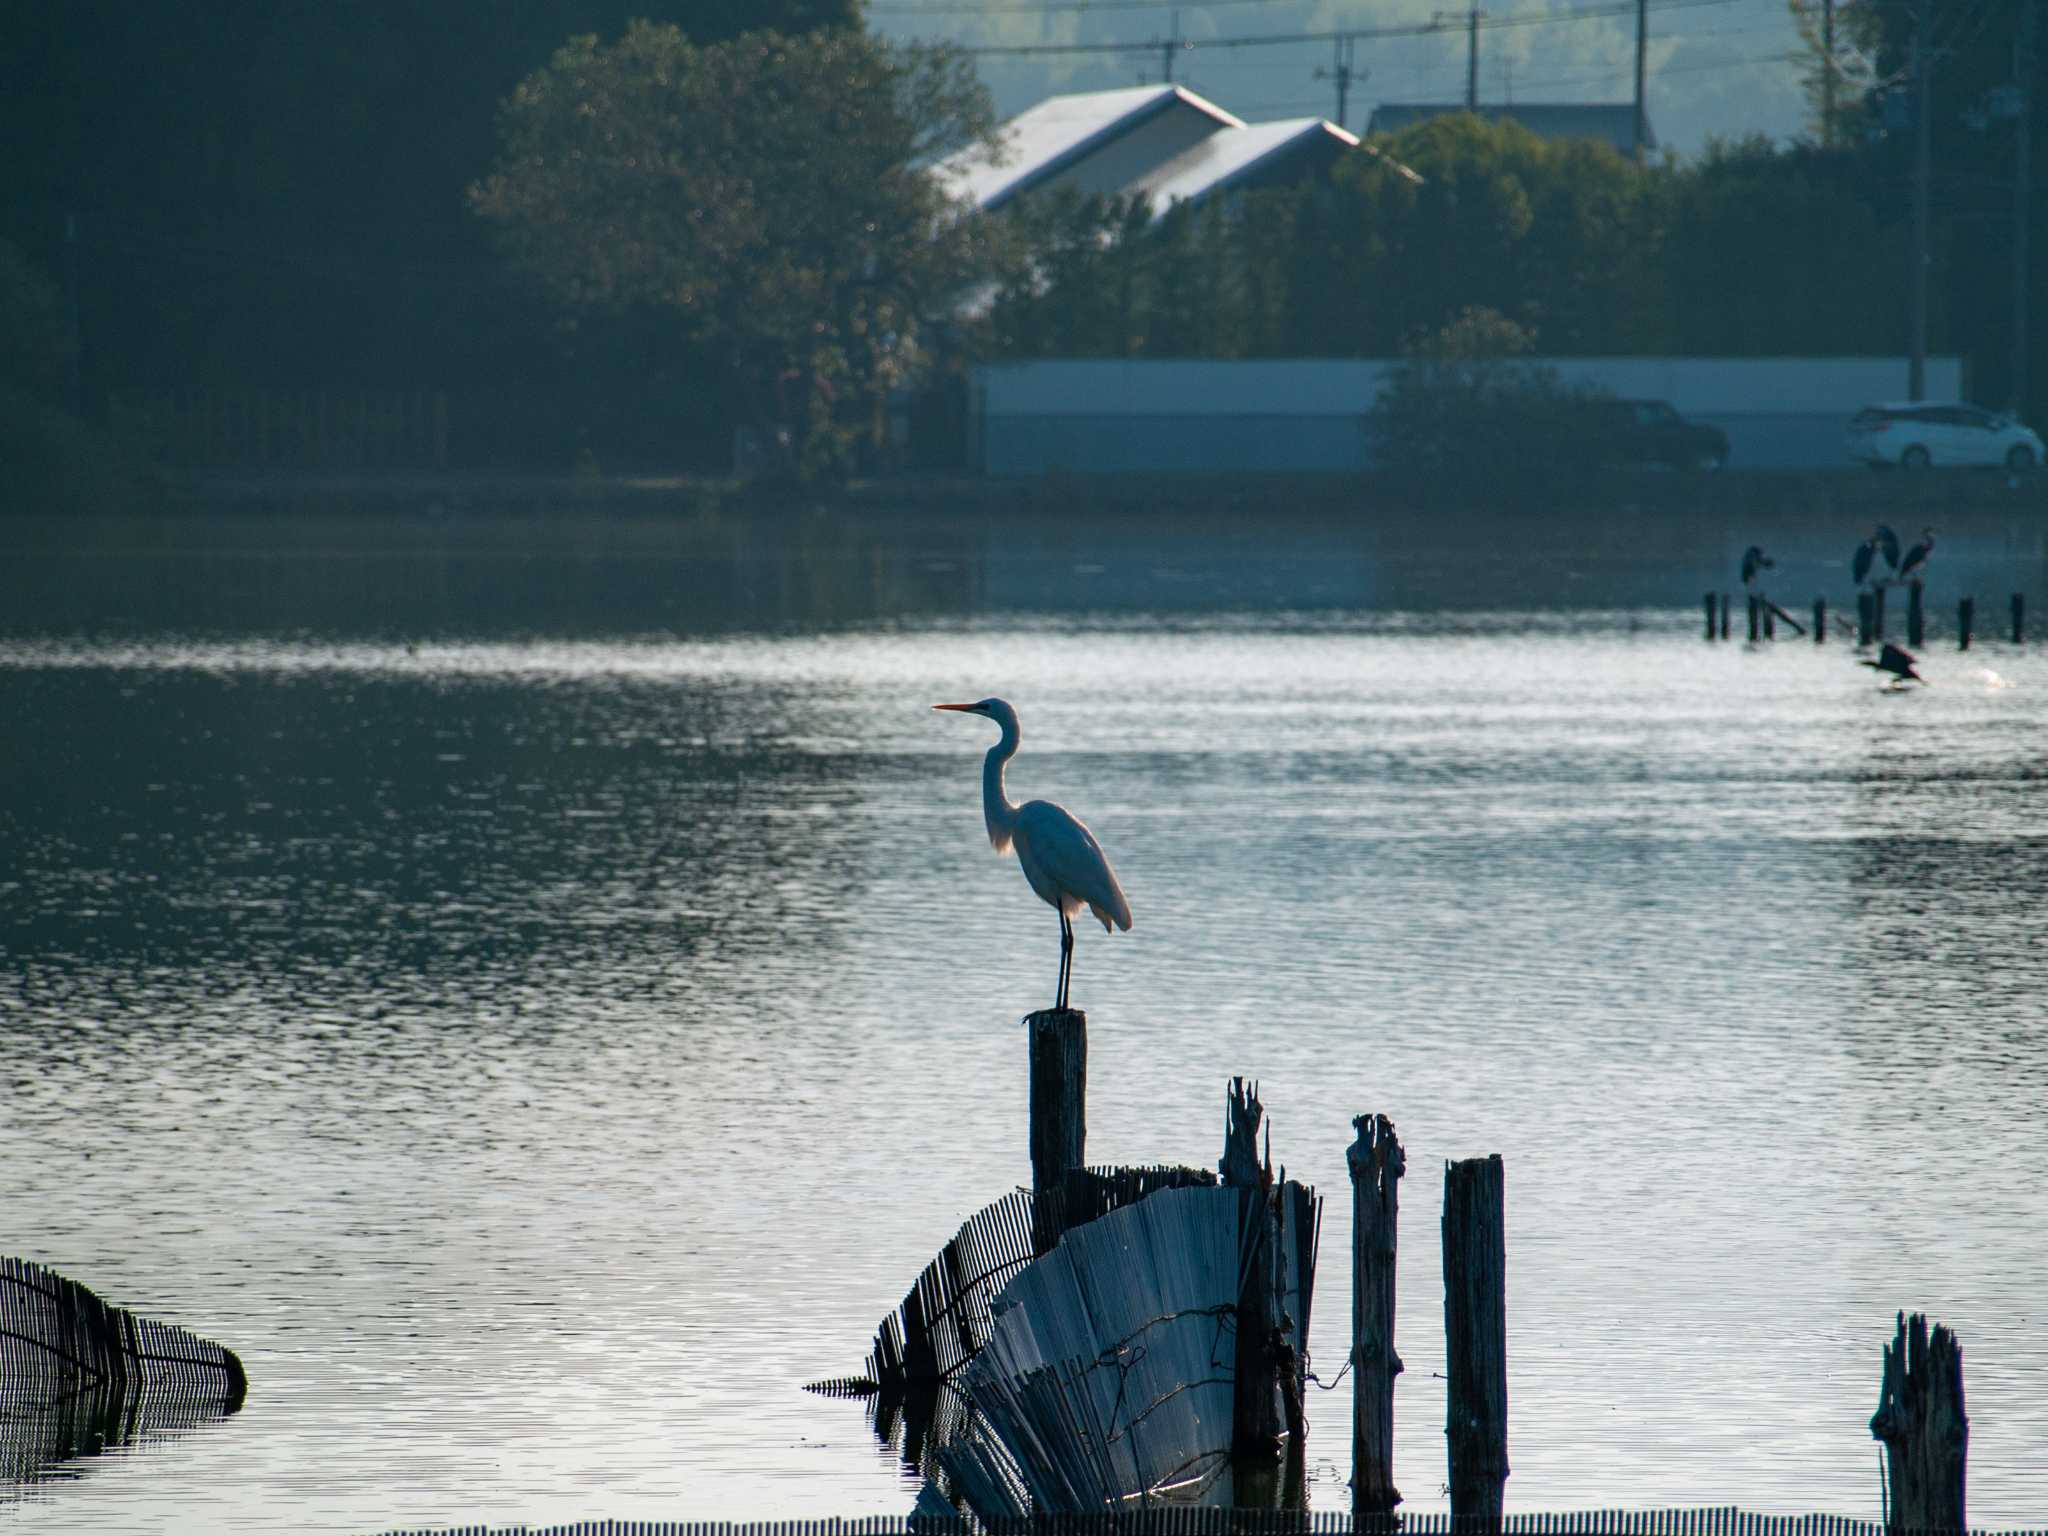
764 196
272 194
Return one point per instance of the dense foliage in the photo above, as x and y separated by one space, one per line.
761 199
1748 250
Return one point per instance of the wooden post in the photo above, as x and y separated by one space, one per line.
1755 622
1925 1432
1257 1422
1966 614
1866 620
1724 615
1770 617
1877 614
1059 1094
1476 1333
1916 620
1820 620
1709 600
2019 618
1376 1163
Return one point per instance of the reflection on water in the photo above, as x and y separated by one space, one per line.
542 1056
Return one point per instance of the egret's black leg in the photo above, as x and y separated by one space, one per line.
1066 957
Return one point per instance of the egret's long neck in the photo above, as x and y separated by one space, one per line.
996 808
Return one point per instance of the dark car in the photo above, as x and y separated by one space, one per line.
1652 432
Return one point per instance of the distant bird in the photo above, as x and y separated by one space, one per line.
1866 556
1754 563
1888 546
1914 566
1061 858
1899 663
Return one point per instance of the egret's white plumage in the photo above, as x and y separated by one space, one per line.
1059 855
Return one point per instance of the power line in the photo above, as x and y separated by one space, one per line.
1270 39
1056 7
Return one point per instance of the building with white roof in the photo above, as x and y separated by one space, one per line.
1096 142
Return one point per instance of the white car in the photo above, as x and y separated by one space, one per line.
1917 433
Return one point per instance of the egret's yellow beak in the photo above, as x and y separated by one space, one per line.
964 708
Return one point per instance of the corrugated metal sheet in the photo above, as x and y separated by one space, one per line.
1109 1377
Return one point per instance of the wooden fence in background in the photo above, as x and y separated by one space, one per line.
289 428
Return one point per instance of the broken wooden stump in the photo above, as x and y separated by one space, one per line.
1916 618
1866 617
1376 1163
1966 619
1258 1415
1059 1094
1475 1333
1921 1423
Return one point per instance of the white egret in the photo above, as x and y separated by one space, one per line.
1060 856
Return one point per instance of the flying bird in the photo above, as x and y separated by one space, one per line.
1060 856
1754 563
1914 566
1897 661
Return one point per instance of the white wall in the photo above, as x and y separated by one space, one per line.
1281 414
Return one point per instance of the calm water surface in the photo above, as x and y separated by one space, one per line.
540 1056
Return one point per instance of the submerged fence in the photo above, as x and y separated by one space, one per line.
78 1375
1719 1521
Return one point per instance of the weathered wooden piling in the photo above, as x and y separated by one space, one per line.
1877 614
1755 622
1059 1094
1921 1423
1725 603
1476 1333
1866 617
1258 1420
1966 618
1708 602
1770 618
1820 620
1916 619
2019 618
1376 1163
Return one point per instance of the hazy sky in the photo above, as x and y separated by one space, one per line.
1716 67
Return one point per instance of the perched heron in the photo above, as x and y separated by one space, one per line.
1914 566
1896 661
1866 556
1887 545
1060 856
1754 563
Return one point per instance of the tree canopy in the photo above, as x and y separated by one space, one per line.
764 197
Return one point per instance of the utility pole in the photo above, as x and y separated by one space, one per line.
1472 59
1168 49
1923 156
2022 209
1642 57
1827 74
1471 18
1341 72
